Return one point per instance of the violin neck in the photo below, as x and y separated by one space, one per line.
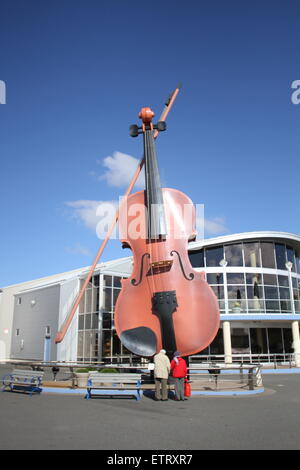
156 222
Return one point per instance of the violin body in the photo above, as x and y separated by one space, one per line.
196 314
165 303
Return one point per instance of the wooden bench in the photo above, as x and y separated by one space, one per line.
23 380
127 383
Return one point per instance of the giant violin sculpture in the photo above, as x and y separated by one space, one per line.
165 303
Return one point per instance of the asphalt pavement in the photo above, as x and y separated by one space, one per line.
268 421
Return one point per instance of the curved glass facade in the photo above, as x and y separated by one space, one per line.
272 289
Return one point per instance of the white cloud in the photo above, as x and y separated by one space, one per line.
78 249
95 215
120 169
215 226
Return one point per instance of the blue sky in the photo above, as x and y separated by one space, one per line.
77 74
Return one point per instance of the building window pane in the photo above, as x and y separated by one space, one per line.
234 255
88 300
88 318
81 322
214 278
197 258
106 344
217 346
290 256
270 279
253 278
288 340
272 306
116 345
283 281
107 299
275 340
106 320
117 281
258 338
214 256
267 254
95 321
107 281
115 295
255 291
271 292
297 259
236 292
240 340
280 255
235 278
80 344
219 291
251 254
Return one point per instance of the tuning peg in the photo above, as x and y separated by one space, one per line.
161 126
134 130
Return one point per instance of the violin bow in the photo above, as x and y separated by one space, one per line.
64 328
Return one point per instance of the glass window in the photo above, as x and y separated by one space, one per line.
267 254
197 258
284 293
234 255
219 291
214 278
106 320
290 256
116 344
283 280
297 259
240 340
288 340
81 322
235 278
117 281
272 306
275 340
253 278
107 299
95 321
251 254
270 279
255 291
107 281
116 293
88 318
217 346
88 300
106 343
280 255
236 292
214 256
258 338
271 292
80 344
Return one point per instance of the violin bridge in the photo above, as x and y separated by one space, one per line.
158 267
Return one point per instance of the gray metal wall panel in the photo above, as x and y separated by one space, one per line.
32 320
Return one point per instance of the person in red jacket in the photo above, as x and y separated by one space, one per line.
178 371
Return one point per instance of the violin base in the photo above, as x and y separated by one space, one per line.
140 341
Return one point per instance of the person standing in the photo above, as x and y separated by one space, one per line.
178 371
161 374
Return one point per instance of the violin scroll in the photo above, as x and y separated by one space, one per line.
146 115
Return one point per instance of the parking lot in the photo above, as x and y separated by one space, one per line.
269 420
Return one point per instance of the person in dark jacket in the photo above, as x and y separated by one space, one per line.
178 371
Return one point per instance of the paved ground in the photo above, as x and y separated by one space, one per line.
270 420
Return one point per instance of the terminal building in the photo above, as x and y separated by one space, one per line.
255 276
